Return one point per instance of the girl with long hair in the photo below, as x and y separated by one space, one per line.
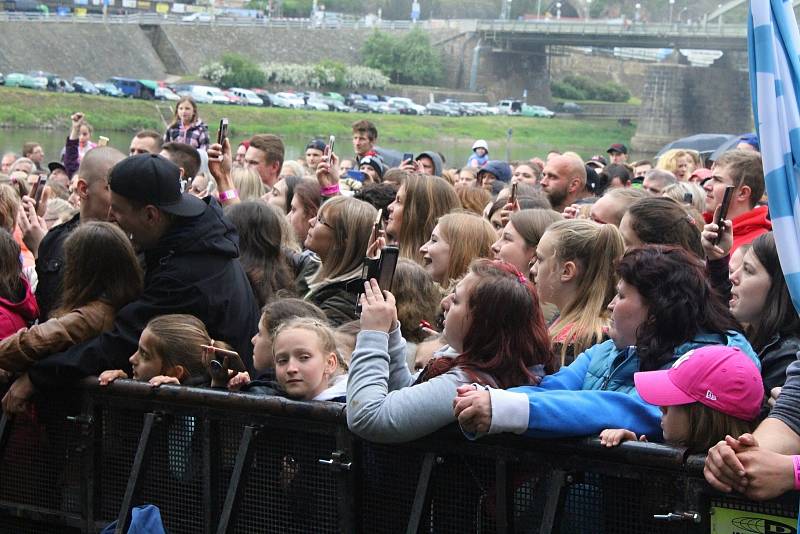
18 307
420 202
101 275
496 337
339 234
260 238
187 127
574 270
662 221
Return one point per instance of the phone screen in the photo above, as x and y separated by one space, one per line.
389 256
222 133
329 148
408 156
722 214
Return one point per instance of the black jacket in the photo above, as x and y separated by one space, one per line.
50 266
194 270
775 357
338 301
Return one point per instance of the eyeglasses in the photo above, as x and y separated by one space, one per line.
321 221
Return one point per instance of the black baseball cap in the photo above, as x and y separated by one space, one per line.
317 144
53 165
617 147
151 179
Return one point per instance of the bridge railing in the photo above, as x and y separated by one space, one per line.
214 461
601 27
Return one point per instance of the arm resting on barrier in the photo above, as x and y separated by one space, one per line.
378 414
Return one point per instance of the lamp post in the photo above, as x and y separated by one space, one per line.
558 10
671 3
508 10
588 9
637 16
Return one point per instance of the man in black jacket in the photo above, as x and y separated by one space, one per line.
191 267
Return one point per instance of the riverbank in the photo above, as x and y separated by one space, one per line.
25 108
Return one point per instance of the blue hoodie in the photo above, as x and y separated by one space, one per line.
593 393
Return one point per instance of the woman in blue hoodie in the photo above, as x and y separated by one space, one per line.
664 307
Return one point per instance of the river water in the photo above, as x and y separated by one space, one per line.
52 141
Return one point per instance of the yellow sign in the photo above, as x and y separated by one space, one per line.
162 8
141 4
80 11
728 521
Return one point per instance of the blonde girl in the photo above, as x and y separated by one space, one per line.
574 270
679 162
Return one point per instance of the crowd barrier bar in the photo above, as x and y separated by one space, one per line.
217 462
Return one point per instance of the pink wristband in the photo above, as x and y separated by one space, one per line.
330 190
796 462
230 194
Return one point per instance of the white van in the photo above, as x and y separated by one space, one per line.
249 96
206 93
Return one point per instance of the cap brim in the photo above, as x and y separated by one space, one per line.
53 165
187 206
656 388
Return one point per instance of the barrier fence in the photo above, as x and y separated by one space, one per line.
216 462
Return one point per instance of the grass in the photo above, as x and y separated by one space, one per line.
25 108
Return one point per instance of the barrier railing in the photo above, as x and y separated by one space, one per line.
216 462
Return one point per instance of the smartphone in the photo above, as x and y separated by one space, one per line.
38 189
329 148
513 197
358 176
222 133
722 214
235 362
409 157
102 141
389 257
376 226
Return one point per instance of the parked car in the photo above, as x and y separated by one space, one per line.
352 97
165 93
60 85
265 96
108 89
248 97
334 96
2 79
82 85
40 78
316 104
203 94
361 105
233 98
17 79
290 100
133 88
336 105
537 111
569 107
405 106
441 110
510 107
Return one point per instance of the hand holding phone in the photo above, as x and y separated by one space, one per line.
222 133
38 190
329 148
513 198
722 212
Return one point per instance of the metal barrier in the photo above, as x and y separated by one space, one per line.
216 462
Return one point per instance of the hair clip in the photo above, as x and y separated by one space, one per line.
521 278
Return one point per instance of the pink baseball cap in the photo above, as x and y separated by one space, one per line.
722 378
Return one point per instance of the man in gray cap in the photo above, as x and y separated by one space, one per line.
190 253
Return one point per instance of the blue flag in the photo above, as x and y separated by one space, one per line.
774 48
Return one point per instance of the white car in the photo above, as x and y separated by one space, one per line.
317 105
406 106
249 96
164 93
291 100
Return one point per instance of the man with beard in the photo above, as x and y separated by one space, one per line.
564 181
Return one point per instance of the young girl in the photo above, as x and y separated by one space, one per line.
709 393
170 352
496 336
101 275
419 203
661 221
18 307
187 127
518 240
457 239
574 270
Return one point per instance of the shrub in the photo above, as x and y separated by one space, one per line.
576 87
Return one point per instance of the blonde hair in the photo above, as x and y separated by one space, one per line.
687 194
470 236
668 161
60 210
594 248
451 175
474 199
178 339
351 222
292 168
532 224
325 337
9 207
426 199
248 182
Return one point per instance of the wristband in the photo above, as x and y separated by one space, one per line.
330 190
796 462
230 194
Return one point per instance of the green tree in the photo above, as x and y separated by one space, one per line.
241 72
410 59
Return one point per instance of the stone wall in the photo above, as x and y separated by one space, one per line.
627 72
679 101
96 51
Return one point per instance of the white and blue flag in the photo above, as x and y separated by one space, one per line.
774 48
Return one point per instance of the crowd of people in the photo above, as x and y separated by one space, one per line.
558 296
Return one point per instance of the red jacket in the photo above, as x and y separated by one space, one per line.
750 225
17 315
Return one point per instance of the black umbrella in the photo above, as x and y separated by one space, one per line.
706 144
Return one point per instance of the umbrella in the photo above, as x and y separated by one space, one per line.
773 43
704 143
724 147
